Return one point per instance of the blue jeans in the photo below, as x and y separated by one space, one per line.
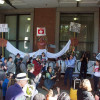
44 69
48 83
68 74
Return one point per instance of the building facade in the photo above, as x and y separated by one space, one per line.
23 23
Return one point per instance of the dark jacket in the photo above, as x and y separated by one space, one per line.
15 92
84 95
30 75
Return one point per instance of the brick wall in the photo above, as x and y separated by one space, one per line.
45 17
1 21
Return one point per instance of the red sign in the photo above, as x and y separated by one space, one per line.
41 31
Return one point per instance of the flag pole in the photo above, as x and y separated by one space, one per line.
2 46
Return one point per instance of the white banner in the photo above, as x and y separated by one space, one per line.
14 51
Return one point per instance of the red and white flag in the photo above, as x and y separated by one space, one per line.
41 31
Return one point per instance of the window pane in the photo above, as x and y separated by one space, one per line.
24 27
11 21
24 46
85 46
65 35
7 52
62 44
85 37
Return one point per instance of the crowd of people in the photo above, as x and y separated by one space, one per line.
20 78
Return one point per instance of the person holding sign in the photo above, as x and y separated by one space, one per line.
70 64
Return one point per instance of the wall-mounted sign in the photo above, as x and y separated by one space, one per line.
41 31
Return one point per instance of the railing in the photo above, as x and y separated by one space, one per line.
77 66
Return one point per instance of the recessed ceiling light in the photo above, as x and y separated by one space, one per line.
75 18
1 1
28 18
78 0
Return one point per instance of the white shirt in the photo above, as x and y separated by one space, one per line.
97 72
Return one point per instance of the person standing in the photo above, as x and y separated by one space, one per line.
96 70
5 84
37 65
70 64
23 65
57 70
2 74
11 66
84 62
44 60
4 64
15 91
18 60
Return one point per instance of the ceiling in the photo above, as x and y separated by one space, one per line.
50 3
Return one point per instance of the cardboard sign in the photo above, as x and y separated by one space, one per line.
4 28
3 42
41 31
75 27
74 41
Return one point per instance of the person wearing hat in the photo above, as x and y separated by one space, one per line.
37 65
15 91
